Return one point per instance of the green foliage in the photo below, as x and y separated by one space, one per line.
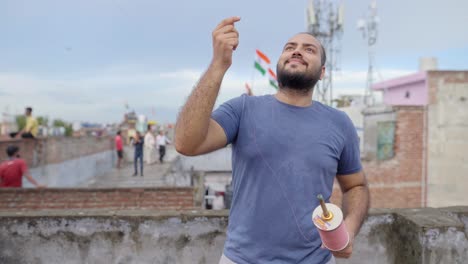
20 121
42 121
68 127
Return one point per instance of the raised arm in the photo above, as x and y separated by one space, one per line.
196 133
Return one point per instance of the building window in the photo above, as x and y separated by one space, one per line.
407 94
385 140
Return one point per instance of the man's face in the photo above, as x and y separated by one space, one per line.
299 66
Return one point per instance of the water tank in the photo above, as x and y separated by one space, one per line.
427 64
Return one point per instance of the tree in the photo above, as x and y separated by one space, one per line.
43 121
68 127
20 121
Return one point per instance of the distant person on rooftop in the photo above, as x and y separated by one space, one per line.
13 169
119 148
138 143
150 147
162 140
30 129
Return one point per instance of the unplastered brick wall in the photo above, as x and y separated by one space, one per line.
398 182
117 198
53 150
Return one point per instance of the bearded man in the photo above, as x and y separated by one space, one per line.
286 149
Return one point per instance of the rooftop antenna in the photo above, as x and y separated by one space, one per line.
368 27
325 21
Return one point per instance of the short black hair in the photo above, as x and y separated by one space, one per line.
29 109
118 132
323 54
12 150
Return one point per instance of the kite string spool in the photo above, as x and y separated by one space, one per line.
328 218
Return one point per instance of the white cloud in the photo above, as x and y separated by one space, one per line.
100 97
346 82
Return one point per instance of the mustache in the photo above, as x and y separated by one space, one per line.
296 58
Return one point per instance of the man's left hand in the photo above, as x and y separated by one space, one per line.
346 252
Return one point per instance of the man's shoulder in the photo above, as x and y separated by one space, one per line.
20 161
14 162
240 100
332 112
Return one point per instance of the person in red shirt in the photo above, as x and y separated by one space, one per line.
13 170
119 147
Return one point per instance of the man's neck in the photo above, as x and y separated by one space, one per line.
294 97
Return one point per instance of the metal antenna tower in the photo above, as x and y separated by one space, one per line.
368 27
325 22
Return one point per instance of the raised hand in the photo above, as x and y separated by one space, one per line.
225 41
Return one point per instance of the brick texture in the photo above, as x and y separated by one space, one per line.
118 199
397 183
45 151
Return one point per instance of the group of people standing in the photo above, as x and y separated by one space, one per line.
154 144
148 144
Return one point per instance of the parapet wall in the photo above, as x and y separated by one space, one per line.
64 161
53 150
178 198
422 236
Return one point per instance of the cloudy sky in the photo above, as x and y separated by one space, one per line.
83 60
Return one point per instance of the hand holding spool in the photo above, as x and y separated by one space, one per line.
328 218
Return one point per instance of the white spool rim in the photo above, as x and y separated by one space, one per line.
328 225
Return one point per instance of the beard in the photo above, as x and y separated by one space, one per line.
299 81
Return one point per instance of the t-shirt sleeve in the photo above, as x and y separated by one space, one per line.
350 158
228 116
23 167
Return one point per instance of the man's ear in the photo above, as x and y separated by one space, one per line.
323 73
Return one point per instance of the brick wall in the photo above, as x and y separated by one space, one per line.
121 198
53 150
397 183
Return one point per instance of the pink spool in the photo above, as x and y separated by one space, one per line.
332 231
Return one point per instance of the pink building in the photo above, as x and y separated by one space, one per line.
428 141
407 90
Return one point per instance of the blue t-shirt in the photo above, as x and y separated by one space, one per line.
283 157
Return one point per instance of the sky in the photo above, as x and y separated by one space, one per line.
84 60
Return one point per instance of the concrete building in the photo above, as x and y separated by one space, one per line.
419 151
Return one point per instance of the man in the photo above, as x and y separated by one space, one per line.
161 141
119 148
31 128
138 142
150 146
13 170
286 149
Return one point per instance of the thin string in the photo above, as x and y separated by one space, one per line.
281 186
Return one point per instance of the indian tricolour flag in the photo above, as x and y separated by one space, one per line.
272 78
262 63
